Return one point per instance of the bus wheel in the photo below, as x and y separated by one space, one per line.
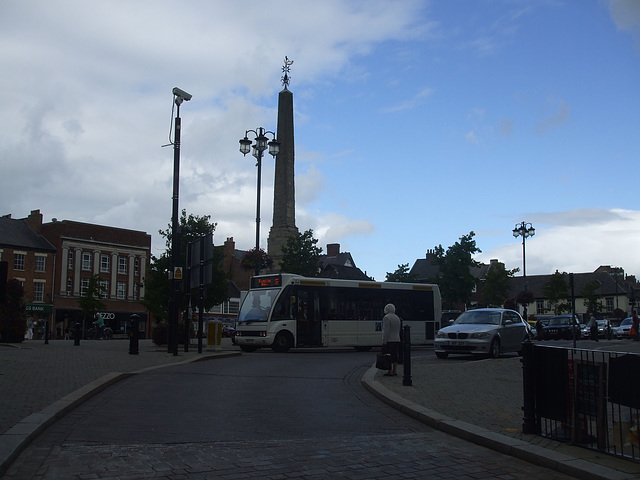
442 354
362 349
282 343
248 348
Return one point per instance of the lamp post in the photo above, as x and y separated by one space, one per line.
179 96
260 145
524 230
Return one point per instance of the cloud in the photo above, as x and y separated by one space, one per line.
411 103
555 120
626 15
577 241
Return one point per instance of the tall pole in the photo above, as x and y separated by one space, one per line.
525 230
172 333
524 275
258 201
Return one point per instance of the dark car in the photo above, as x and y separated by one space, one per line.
561 327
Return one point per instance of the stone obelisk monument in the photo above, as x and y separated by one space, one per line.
284 194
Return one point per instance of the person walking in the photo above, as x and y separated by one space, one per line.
391 337
635 324
593 328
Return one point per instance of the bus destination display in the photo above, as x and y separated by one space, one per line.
269 281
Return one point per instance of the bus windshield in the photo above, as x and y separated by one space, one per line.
257 305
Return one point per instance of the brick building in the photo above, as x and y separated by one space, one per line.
118 256
30 259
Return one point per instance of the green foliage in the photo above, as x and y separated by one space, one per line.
256 259
300 255
401 275
455 279
591 298
496 287
556 290
91 301
157 283
13 316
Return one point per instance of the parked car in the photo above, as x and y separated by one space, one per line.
604 329
228 332
561 327
622 330
485 331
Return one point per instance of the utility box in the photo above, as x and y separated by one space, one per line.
214 335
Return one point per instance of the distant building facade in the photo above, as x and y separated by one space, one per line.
31 260
121 259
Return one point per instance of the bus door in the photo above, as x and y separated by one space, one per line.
308 318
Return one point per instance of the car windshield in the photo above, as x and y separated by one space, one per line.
257 305
627 321
479 317
560 321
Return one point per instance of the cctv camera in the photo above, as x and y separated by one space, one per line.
181 93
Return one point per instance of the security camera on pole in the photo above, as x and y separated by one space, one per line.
179 96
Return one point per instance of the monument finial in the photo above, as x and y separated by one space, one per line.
286 69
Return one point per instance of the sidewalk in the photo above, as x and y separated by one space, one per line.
478 401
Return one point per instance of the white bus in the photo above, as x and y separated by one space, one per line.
284 311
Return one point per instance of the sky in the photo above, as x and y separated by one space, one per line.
416 122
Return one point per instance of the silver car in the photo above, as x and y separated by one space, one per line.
485 331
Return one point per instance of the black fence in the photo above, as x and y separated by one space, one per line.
585 397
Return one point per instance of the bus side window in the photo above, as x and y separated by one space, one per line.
284 308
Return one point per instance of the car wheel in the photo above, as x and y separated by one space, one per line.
248 348
282 343
494 350
442 354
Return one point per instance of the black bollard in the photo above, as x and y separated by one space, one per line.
529 424
134 326
406 348
46 332
76 333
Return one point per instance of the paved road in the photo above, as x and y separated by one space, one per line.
265 415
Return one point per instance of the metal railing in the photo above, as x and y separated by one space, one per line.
586 397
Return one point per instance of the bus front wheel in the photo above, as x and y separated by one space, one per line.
282 343
248 348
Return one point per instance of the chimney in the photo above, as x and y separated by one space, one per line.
34 220
333 249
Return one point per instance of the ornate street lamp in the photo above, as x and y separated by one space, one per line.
524 230
260 145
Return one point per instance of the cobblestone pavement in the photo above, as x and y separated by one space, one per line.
33 376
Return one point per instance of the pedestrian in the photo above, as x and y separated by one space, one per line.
99 326
635 325
539 329
391 337
593 328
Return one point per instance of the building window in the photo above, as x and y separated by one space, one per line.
105 263
70 260
104 288
86 261
0 254
18 261
610 306
69 285
136 266
121 291
539 307
41 261
38 291
122 265
136 292
84 285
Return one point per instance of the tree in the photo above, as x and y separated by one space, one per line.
300 255
256 259
591 298
556 290
13 315
90 302
455 279
157 283
402 275
496 286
